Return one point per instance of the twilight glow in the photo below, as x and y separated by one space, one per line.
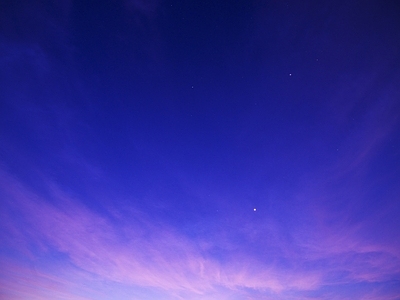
237 150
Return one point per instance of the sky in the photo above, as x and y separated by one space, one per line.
241 150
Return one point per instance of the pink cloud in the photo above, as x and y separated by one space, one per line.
137 251
128 247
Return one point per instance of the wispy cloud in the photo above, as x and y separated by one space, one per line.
130 248
329 242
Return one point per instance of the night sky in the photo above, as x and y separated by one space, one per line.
236 150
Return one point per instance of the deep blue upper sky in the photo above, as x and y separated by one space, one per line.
200 150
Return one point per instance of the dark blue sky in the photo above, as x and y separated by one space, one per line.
199 150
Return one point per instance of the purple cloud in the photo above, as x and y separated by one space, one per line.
138 251
130 248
